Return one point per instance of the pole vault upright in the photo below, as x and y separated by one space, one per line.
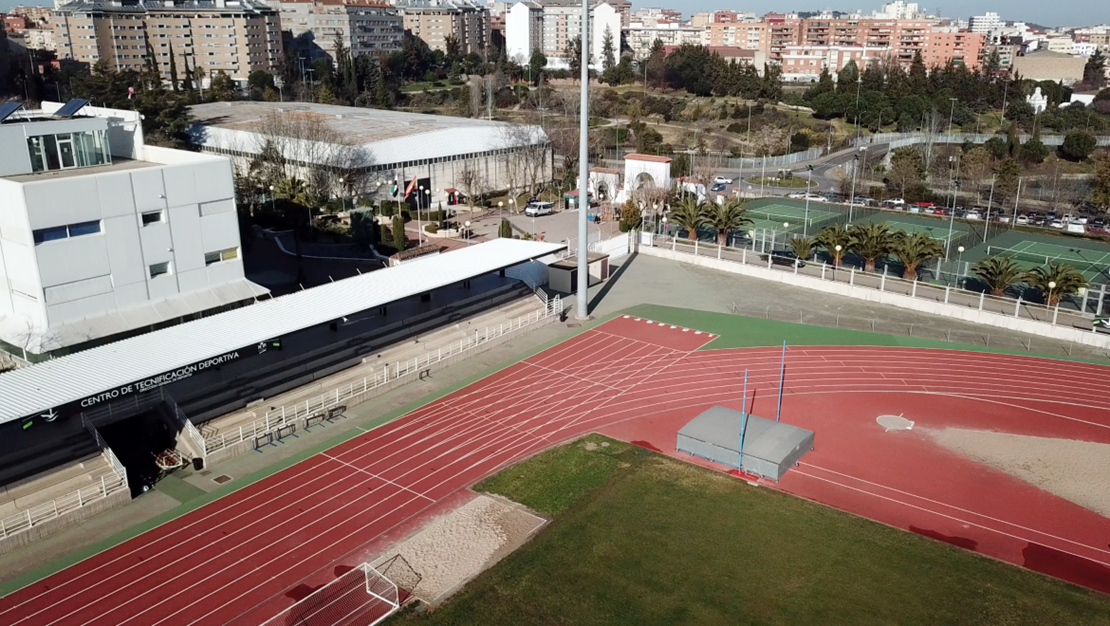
582 311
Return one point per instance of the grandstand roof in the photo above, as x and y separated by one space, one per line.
39 388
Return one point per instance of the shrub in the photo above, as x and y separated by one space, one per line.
505 230
737 127
1078 146
399 238
432 228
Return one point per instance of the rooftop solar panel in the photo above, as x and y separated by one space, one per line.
71 108
8 108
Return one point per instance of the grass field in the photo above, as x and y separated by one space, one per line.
642 539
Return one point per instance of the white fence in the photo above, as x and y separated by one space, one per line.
616 247
106 484
898 140
776 161
286 415
1010 313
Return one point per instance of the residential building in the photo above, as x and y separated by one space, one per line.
364 26
35 38
744 35
1054 66
805 63
562 21
104 237
1061 44
949 45
434 21
900 10
641 37
234 37
984 23
1084 48
523 31
16 23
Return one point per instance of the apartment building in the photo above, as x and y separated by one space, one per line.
102 236
641 37
984 23
946 45
434 21
805 63
562 21
523 31
364 26
743 35
235 37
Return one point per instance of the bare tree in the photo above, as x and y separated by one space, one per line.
531 152
302 145
471 181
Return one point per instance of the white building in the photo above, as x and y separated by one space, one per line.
604 17
805 63
641 37
900 10
102 236
523 31
984 23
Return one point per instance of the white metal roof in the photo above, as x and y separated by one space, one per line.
38 388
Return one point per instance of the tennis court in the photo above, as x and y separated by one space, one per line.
776 214
1092 263
936 232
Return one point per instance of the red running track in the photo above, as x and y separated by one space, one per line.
253 553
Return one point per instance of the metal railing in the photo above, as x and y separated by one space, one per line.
897 140
281 417
107 484
884 281
776 161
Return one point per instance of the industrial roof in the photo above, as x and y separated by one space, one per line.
38 388
387 136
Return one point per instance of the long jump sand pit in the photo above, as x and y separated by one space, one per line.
1074 470
450 550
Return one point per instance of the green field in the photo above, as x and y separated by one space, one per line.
643 540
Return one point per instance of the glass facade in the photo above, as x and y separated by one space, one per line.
67 150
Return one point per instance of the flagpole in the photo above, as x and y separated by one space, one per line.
743 422
782 378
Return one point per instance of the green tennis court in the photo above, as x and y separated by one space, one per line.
1092 263
779 214
936 232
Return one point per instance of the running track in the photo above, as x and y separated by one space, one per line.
252 553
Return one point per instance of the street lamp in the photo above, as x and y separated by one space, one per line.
951 112
836 261
664 223
852 197
467 233
1051 289
272 199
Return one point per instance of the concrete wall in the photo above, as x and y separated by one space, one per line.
49 527
966 314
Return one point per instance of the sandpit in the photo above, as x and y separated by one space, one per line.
452 549
1073 470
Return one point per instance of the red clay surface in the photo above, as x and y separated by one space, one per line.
246 557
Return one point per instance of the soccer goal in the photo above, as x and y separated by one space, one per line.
361 597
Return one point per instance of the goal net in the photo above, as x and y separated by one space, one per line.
361 597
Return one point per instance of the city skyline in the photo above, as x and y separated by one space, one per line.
1074 13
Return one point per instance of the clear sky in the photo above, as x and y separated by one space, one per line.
1046 12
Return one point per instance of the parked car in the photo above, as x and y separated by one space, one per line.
536 209
813 197
784 257
914 208
722 180
895 202
1098 222
940 211
1051 215
1021 219
717 187
797 194
974 215
1075 227
1056 224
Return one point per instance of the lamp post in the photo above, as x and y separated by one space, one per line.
852 196
466 233
1051 290
836 262
500 210
664 223
951 112
272 209
809 183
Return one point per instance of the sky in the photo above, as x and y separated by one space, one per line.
1044 12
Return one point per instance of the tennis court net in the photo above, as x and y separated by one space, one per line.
794 219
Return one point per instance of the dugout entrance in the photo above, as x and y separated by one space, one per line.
770 448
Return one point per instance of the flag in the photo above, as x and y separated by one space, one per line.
411 186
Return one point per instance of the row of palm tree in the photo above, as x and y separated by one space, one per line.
1054 280
691 214
871 242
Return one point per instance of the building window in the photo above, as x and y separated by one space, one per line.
153 217
158 269
229 254
55 233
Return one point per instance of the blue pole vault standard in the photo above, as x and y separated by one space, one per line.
782 378
743 422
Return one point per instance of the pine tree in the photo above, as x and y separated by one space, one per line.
173 71
609 56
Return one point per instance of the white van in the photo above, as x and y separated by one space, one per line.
537 209
1075 227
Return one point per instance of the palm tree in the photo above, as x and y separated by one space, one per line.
871 241
1055 280
691 215
998 273
832 236
913 250
732 215
802 247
